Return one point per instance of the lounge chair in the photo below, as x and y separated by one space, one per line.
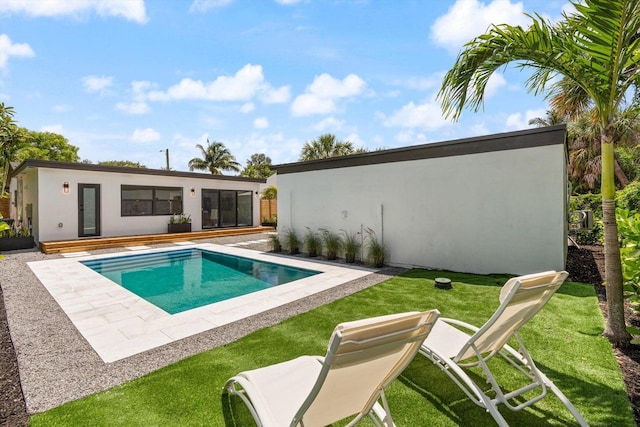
363 358
453 350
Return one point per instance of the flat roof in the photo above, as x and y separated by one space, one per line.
34 164
537 137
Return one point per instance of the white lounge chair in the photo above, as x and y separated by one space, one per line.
363 358
453 349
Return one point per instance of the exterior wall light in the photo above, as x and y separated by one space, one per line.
193 192
65 187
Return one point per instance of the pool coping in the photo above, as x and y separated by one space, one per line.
118 324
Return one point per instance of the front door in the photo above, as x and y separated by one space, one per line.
210 201
88 210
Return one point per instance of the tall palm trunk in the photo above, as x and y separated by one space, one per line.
615 329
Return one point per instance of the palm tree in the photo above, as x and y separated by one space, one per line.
12 139
553 117
327 145
215 158
597 48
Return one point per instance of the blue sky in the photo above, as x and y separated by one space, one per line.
125 79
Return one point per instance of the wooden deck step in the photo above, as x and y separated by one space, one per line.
64 246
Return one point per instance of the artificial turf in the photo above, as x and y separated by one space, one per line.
564 339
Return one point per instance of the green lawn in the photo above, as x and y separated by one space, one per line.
564 339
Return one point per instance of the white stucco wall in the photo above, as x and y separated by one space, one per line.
43 188
492 212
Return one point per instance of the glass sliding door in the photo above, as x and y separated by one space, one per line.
228 212
245 208
88 210
210 208
226 208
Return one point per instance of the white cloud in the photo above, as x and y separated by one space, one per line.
132 10
330 123
100 84
8 48
139 104
423 116
145 135
320 95
517 121
276 96
247 108
467 19
410 137
261 123
242 86
205 5
496 81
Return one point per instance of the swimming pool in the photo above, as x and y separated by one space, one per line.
117 323
181 280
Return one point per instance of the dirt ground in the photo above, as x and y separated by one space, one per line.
584 265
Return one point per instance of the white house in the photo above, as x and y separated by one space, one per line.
65 201
491 204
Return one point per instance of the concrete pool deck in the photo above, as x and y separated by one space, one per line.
118 324
58 363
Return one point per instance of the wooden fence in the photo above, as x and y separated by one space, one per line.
268 209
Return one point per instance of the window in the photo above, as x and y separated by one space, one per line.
137 200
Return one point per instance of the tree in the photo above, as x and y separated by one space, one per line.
270 193
215 158
597 48
258 166
122 163
552 118
327 145
48 146
12 139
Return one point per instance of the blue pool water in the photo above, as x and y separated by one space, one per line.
177 281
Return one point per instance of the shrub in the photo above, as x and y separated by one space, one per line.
629 233
629 197
332 242
592 202
351 245
375 249
275 242
312 243
292 242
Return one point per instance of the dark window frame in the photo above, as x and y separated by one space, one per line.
154 201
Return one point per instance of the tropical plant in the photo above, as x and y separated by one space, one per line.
291 241
332 242
552 118
629 227
598 49
629 197
12 139
215 158
270 193
327 145
258 166
375 249
312 243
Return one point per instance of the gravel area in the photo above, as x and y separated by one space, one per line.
57 365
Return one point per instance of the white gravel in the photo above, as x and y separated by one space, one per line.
57 365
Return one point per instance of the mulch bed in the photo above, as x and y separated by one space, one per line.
584 264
